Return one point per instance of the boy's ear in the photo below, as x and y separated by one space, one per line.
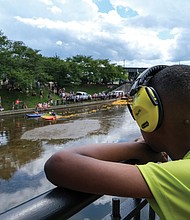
147 109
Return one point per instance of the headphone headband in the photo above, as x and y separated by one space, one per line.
146 108
144 77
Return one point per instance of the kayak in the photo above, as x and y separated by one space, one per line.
51 117
34 115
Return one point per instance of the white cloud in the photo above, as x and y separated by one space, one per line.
55 10
47 2
59 43
117 3
157 33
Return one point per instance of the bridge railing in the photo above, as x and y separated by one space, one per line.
62 204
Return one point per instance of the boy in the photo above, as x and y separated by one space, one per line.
161 109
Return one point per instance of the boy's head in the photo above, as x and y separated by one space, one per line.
169 116
147 107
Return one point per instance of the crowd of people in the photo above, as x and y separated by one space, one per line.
64 97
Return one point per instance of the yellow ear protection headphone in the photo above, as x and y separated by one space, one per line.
146 108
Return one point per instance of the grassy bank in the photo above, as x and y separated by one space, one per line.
8 97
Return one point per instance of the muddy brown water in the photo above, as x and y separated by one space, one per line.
25 145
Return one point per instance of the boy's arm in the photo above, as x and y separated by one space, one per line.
95 169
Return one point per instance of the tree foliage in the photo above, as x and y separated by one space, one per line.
23 66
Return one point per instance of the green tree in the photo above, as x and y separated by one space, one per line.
24 66
5 55
57 69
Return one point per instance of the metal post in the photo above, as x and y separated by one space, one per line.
151 213
116 209
137 215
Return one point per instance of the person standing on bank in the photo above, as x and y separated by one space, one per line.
1 107
161 109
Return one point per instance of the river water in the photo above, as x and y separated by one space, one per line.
25 145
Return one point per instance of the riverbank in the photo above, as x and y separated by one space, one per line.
65 107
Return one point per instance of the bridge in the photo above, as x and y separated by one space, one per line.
133 72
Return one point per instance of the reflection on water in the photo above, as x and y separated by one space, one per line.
22 160
3 138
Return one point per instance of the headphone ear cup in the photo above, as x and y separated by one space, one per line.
147 109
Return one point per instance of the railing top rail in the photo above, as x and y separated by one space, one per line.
54 204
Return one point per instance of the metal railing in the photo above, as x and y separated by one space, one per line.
61 204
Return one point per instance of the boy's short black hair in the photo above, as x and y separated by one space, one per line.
172 81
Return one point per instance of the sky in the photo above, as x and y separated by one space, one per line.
138 33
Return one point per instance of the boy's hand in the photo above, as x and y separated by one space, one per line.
148 155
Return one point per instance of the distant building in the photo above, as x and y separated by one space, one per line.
134 72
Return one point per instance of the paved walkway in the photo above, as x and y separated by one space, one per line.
63 107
